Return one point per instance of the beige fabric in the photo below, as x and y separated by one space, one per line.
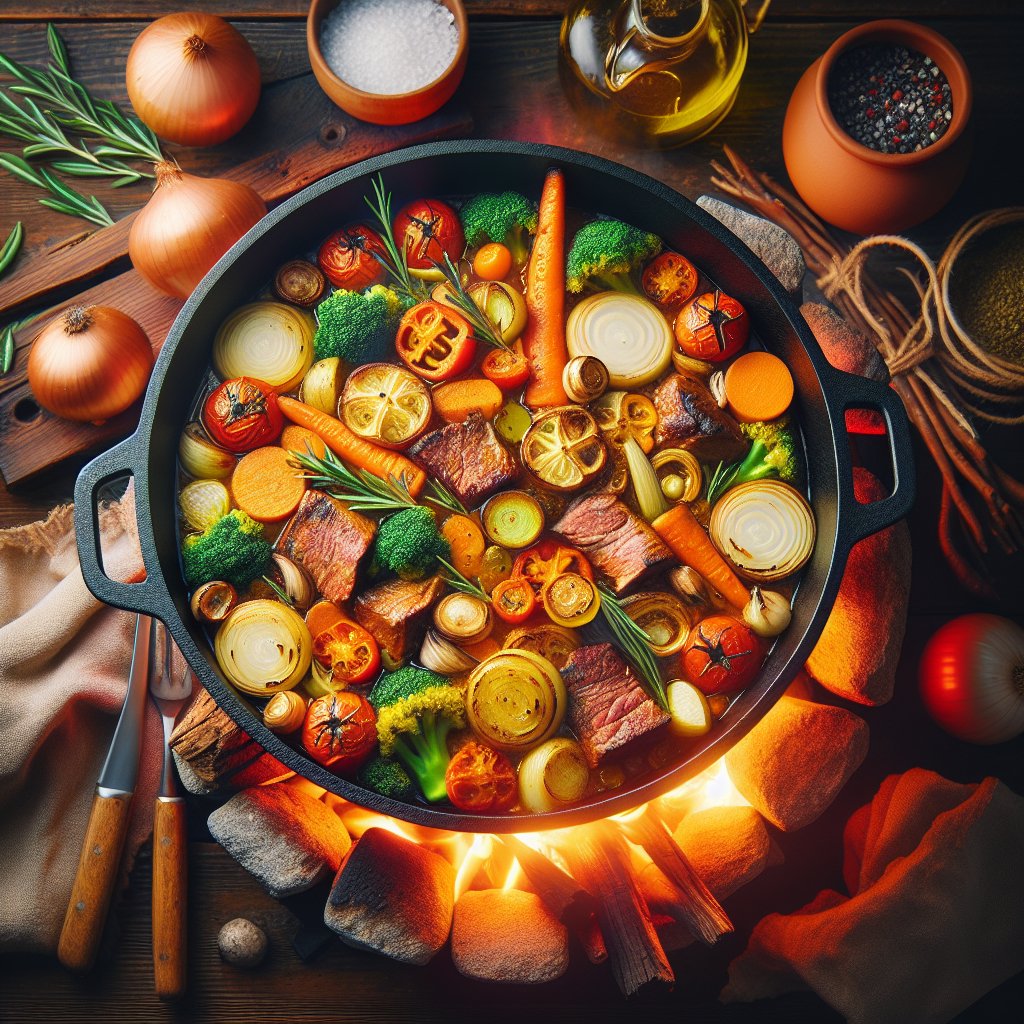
64 662
935 920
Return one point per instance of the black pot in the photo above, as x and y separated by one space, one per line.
452 168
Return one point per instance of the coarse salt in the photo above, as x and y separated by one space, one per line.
389 46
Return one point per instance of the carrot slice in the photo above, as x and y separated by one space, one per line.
455 401
266 485
467 543
301 440
689 542
758 386
544 338
322 616
353 449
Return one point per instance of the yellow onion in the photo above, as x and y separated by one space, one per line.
663 617
684 478
553 775
284 712
512 519
203 502
201 458
270 341
515 699
464 618
553 642
690 586
765 528
503 306
263 646
89 363
570 599
187 225
321 387
295 582
192 78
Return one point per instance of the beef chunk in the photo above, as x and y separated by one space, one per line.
467 458
617 542
689 418
329 542
608 706
396 613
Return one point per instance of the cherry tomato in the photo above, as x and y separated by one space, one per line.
480 779
435 341
427 230
714 327
513 600
349 651
721 655
340 730
347 257
540 564
506 367
492 262
242 414
669 280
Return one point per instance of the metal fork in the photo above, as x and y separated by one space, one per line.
170 852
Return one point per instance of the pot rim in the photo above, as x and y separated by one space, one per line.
920 37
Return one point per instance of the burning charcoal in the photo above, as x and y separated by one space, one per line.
509 936
282 836
775 246
792 764
392 897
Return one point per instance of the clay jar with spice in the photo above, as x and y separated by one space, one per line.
858 188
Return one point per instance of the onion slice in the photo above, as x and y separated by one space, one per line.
513 519
553 775
765 528
626 332
553 642
663 617
440 655
263 647
270 341
463 618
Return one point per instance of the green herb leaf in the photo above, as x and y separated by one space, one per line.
57 49
395 261
457 581
634 643
10 248
483 328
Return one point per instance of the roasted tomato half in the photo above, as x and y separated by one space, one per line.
714 327
480 779
540 564
349 651
669 280
340 731
242 414
721 655
427 230
513 600
348 258
506 367
435 341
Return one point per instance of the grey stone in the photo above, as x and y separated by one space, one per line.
242 943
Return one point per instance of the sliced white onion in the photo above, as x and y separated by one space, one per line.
270 341
263 647
553 775
440 655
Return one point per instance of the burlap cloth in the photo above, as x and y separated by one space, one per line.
936 915
64 662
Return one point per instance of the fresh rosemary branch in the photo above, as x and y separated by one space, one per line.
483 328
634 643
457 581
720 479
7 341
279 592
64 198
11 247
394 262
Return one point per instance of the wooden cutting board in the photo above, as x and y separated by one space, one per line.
31 440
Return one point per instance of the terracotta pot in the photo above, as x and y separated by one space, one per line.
859 189
394 108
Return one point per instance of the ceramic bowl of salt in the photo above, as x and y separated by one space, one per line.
388 61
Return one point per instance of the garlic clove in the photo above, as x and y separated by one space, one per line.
440 655
295 582
767 612
716 385
284 712
690 586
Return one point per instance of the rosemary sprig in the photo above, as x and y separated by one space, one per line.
457 581
394 262
483 327
64 198
721 479
7 341
279 592
11 247
634 644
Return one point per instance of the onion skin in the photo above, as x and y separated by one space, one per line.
187 225
89 364
972 678
193 78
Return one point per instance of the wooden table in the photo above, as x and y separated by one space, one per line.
512 88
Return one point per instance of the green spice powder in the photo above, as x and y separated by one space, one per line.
986 291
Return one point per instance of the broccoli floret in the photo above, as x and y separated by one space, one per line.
358 327
387 777
783 451
409 544
506 217
403 682
232 549
415 730
605 253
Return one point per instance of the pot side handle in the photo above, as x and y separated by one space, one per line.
119 461
859 521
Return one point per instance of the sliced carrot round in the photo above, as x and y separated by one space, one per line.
266 485
467 543
302 440
758 386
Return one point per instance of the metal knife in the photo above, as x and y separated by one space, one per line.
108 822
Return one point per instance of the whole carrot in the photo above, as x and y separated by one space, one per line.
544 338
353 449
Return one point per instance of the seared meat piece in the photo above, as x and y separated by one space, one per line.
608 706
617 542
689 418
396 613
467 458
329 542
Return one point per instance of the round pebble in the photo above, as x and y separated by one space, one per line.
242 943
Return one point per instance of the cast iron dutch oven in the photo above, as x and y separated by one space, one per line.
460 168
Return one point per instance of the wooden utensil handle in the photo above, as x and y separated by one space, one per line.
170 877
94 881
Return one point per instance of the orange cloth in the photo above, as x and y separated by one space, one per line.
936 915
64 662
